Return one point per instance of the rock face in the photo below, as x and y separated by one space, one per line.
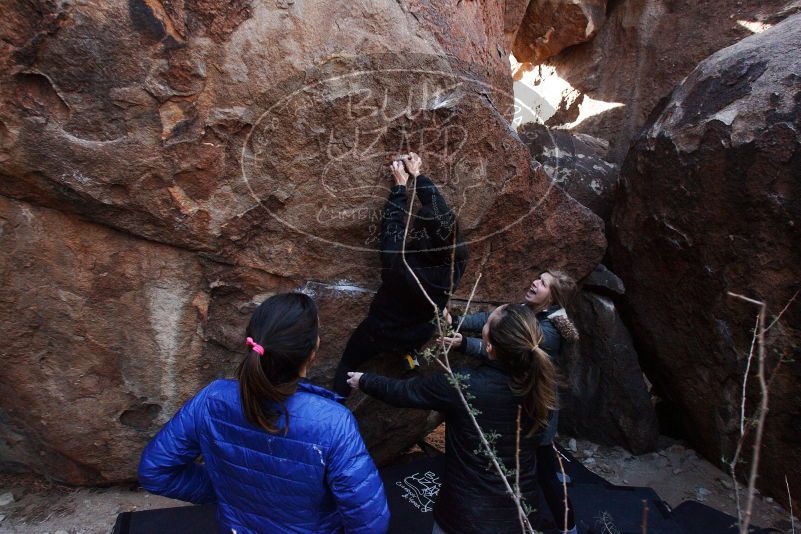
604 282
550 26
576 163
608 86
711 204
605 399
99 341
165 166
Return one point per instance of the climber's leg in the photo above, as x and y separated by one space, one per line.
361 347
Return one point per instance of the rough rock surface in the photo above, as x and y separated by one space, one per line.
604 282
550 26
576 163
100 342
605 399
711 204
608 86
513 13
164 166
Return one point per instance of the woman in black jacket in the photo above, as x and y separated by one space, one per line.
400 319
517 375
547 296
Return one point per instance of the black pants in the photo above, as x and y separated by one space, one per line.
364 344
552 489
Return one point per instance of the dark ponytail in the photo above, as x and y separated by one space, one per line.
515 336
286 326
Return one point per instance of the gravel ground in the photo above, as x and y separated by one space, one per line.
675 472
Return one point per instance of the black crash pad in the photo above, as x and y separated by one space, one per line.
602 508
412 489
698 518
183 519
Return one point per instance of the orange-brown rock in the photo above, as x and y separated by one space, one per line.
100 342
550 26
173 163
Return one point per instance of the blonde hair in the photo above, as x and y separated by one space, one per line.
563 287
563 291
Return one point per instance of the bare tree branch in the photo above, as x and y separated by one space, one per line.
745 377
564 480
513 494
517 466
745 518
790 500
776 320
644 516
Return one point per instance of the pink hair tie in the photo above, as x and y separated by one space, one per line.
256 347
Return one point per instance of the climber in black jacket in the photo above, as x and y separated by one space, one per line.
401 319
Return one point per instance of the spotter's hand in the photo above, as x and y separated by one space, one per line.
353 379
454 342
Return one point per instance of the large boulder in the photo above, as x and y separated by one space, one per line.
605 398
100 342
607 87
165 166
550 26
576 163
711 204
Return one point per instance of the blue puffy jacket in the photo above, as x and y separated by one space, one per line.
318 478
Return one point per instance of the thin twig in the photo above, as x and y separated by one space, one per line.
644 516
403 253
517 465
743 430
732 468
745 378
488 448
515 496
607 524
564 480
469 300
776 320
762 414
790 500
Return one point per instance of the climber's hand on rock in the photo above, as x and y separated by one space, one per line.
399 173
353 379
413 163
454 342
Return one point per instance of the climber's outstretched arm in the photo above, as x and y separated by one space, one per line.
431 392
393 221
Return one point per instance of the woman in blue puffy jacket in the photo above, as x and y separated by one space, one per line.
279 454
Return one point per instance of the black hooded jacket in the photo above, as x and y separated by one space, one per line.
399 310
472 499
